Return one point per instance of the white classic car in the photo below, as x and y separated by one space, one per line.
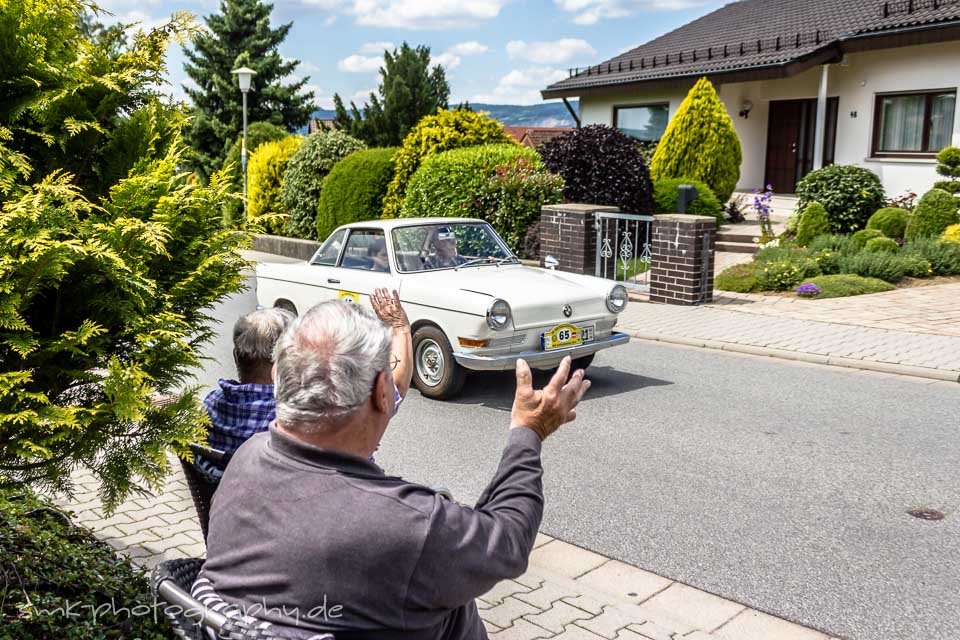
471 303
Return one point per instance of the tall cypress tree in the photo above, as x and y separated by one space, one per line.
240 35
409 91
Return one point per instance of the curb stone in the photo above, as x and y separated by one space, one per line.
783 354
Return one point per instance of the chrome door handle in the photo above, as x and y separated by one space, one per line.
333 281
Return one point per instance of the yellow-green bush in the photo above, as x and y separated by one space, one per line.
441 132
936 211
951 234
265 179
891 221
813 222
700 142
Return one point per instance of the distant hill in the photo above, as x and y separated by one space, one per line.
547 114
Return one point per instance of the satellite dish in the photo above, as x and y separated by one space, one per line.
550 262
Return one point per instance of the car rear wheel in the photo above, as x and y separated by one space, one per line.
435 372
286 305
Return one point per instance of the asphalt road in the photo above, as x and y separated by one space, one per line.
779 485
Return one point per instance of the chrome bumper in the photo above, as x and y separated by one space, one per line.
538 359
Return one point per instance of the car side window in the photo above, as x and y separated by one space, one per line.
366 250
328 253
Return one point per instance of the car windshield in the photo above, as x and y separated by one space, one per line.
451 245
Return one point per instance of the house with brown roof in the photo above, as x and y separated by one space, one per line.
806 82
533 137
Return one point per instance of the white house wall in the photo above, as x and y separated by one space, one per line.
855 82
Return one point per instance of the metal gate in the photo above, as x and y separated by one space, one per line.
623 248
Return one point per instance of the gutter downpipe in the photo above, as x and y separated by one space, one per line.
576 118
821 126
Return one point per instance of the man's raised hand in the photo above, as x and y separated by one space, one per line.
546 409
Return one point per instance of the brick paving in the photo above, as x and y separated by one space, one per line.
568 593
908 331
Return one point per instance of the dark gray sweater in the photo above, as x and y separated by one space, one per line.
297 531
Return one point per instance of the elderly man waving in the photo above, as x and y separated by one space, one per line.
306 532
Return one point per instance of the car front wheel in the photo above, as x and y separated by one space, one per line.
435 373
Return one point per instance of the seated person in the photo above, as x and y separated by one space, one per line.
381 261
442 250
306 532
239 409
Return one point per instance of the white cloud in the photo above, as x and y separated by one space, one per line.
377 47
553 52
522 86
423 14
471 48
360 64
592 11
446 60
362 97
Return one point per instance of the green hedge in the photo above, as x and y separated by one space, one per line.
435 134
353 190
666 194
849 194
890 221
936 211
257 134
265 181
304 177
504 184
49 565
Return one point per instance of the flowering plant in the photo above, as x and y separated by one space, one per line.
761 204
809 290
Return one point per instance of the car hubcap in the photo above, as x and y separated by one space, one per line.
430 363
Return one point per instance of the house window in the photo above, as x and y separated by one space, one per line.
645 122
909 124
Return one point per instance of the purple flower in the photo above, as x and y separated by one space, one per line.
809 290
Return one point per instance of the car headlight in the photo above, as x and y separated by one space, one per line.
617 299
498 315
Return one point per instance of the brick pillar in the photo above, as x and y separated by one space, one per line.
568 234
681 271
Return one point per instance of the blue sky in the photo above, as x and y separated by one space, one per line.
494 51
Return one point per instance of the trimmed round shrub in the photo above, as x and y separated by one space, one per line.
265 173
504 184
601 165
881 245
700 142
951 233
741 278
305 173
948 162
890 221
936 211
353 190
257 134
435 134
847 284
860 239
849 194
813 222
944 257
666 195
891 267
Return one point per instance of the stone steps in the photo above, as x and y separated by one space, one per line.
735 247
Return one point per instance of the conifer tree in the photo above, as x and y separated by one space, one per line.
240 35
700 143
409 91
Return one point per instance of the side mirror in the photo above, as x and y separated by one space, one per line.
550 262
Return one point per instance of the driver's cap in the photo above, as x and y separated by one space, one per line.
444 233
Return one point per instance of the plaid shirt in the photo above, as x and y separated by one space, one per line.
239 411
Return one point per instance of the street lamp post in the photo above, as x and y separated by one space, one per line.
244 76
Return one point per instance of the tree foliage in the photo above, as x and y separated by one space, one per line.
408 91
601 165
257 134
701 143
265 172
107 271
304 177
353 190
435 134
240 35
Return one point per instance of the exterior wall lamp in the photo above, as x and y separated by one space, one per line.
745 109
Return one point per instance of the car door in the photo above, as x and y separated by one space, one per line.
363 266
323 267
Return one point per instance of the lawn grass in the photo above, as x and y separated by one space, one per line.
844 284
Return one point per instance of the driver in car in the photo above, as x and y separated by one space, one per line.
443 250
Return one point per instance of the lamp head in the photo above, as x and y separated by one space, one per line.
244 76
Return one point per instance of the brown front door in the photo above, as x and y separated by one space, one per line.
791 130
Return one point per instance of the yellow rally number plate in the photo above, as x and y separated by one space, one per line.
563 335
349 296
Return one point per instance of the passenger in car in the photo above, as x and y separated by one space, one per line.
379 253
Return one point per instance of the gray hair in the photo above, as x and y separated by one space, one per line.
326 365
254 337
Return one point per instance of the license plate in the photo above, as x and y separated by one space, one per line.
565 335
